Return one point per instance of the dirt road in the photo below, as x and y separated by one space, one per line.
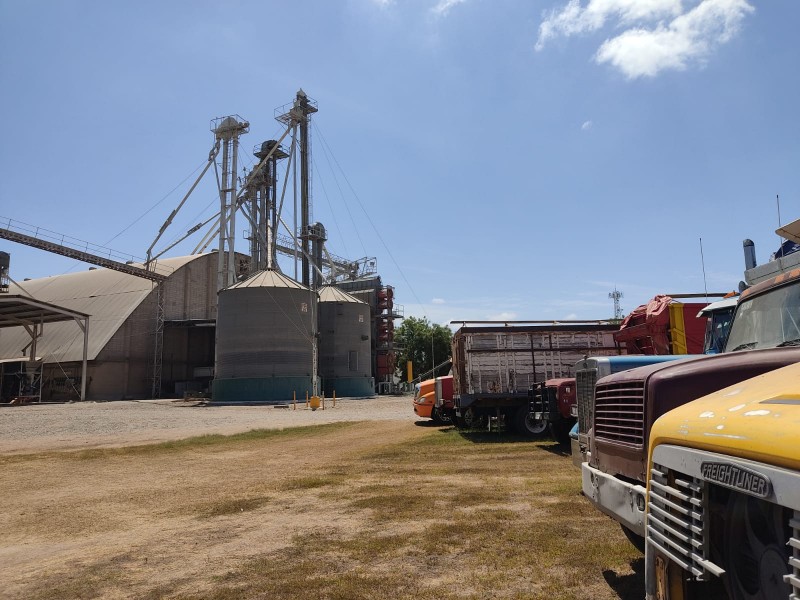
387 507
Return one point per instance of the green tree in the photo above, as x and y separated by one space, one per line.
423 344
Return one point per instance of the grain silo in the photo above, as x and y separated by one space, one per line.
345 358
264 340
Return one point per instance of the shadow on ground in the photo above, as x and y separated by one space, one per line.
628 587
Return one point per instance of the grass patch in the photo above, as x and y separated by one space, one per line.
311 482
443 516
234 506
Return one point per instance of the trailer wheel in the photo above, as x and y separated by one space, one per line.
756 534
526 425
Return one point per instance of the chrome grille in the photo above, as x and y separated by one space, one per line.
677 521
793 579
584 384
619 412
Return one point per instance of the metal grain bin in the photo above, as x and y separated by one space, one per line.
264 343
345 359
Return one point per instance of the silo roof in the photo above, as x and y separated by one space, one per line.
268 278
108 297
331 293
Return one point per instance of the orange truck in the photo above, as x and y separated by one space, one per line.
433 399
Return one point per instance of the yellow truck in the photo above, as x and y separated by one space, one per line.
723 494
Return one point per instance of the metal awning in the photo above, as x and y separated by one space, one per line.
31 314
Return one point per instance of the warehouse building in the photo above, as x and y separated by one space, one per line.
124 318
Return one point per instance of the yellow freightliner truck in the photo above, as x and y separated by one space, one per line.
723 510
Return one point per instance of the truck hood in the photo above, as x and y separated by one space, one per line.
699 366
757 419
667 386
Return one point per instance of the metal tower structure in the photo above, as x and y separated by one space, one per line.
299 116
227 131
261 205
615 296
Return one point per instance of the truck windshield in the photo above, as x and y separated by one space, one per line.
768 320
717 327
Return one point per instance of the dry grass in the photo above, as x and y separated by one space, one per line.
442 515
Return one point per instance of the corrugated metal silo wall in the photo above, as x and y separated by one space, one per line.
367 291
345 355
264 347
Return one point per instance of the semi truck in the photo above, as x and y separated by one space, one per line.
663 329
496 364
723 494
764 336
433 399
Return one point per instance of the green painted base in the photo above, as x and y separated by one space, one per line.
270 389
349 387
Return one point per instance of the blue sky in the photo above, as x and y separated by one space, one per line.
502 159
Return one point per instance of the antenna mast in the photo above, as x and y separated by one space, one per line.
615 296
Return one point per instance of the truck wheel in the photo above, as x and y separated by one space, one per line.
560 431
526 425
473 420
634 538
440 417
756 536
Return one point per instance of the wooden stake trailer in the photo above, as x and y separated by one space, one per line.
495 364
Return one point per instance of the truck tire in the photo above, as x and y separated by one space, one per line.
440 417
526 426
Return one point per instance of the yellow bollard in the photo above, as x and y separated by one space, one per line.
314 400
306 398
323 401
334 398
294 400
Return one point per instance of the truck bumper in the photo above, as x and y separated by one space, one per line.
578 457
423 410
619 499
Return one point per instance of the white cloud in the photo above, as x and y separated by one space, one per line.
586 125
438 301
443 7
650 44
571 317
383 3
574 19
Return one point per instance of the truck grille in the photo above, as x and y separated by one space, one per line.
677 521
793 579
584 384
619 412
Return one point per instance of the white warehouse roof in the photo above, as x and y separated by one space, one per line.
108 297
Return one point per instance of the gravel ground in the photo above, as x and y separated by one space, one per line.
44 427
